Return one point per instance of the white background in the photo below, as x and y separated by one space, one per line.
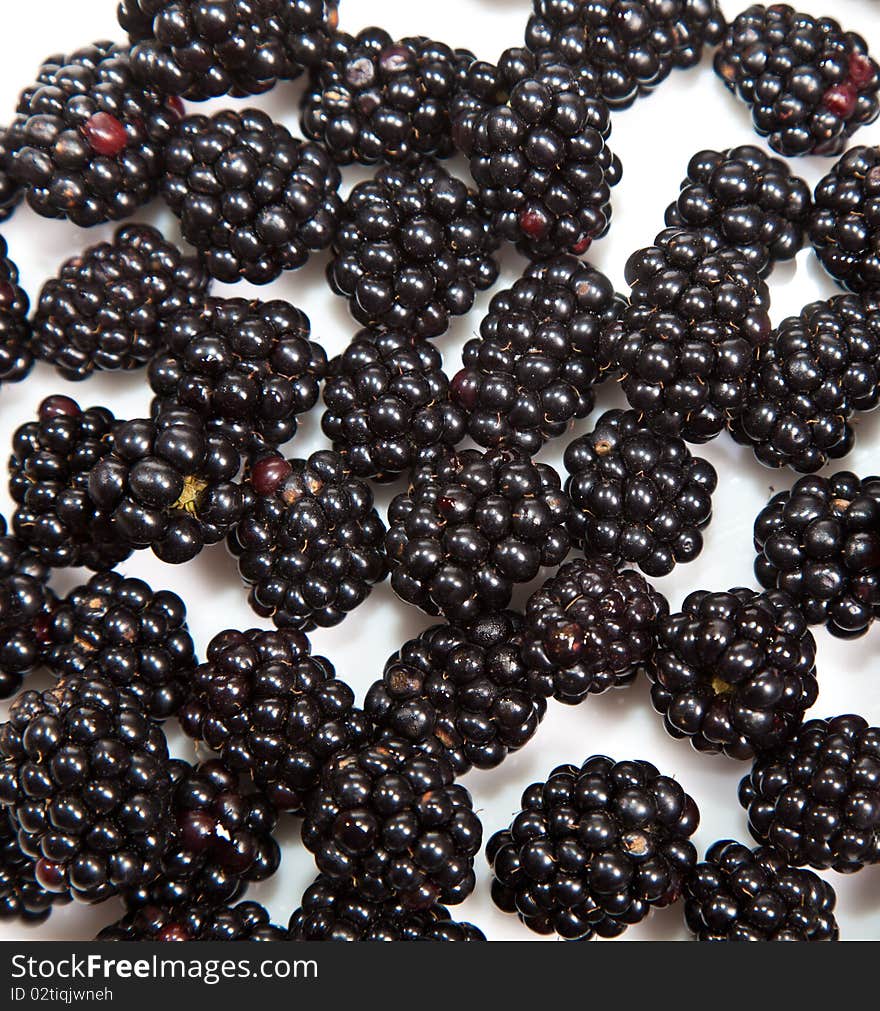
655 139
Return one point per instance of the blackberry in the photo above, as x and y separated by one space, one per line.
541 163
87 142
589 628
248 921
26 606
631 45
253 199
310 543
594 849
816 800
120 630
22 897
16 357
470 526
201 49
691 334
486 85
748 200
221 841
387 402
248 368
734 671
819 368
272 711
49 473
809 84
412 249
111 307
388 820
738 894
460 692
10 190
332 911
845 223
169 484
84 774
533 368
820 543
373 99
637 496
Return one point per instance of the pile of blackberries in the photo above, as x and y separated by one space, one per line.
530 575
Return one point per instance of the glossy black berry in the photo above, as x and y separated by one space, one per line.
820 543
111 307
819 369
470 527
169 484
387 402
10 190
373 99
690 336
809 84
84 775
589 628
202 49
48 479
460 692
333 911
630 45
637 496
221 840
817 800
16 356
22 897
413 248
594 849
486 85
120 630
248 368
746 200
734 671
273 712
742 894
87 142
309 544
845 223
390 821
533 368
252 198
541 164
26 606
248 921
